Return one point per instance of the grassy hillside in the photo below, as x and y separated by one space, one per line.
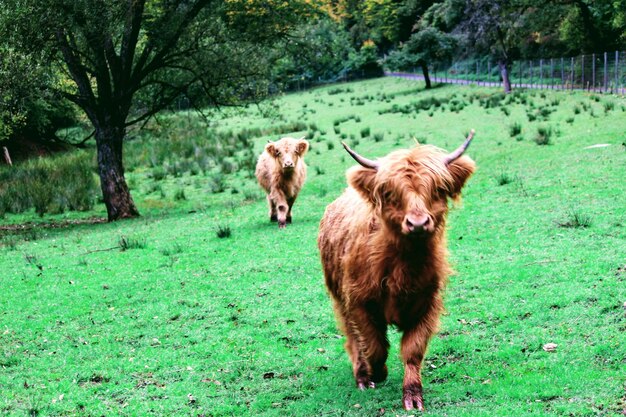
160 316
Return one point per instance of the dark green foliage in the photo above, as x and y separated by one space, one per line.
127 243
223 231
544 135
180 194
52 185
217 183
365 132
379 136
504 178
515 129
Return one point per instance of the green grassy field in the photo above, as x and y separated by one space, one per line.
159 316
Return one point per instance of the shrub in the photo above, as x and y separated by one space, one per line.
223 231
378 137
127 243
544 135
217 183
365 132
50 185
504 178
575 219
515 129
180 194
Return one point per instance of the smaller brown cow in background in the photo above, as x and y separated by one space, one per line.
281 171
383 253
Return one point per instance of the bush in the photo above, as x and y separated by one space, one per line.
515 129
223 231
365 132
51 185
544 135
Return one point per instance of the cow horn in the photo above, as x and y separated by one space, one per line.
364 162
460 150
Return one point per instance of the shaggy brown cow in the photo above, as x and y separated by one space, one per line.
281 171
383 251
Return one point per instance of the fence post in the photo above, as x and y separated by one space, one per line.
582 71
571 67
616 71
562 74
605 73
593 71
551 73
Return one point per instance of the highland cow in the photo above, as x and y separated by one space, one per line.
281 171
383 251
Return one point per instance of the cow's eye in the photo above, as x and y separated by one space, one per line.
277 153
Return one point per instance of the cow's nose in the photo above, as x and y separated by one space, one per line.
418 223
288 164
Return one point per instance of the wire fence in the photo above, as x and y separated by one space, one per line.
602 73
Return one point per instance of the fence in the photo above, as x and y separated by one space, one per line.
605 72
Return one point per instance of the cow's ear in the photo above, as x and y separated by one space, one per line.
461 169
363 180
302 146
271 149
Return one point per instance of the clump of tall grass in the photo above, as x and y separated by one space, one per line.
575 219
504 178
49 185
365 132
127 243
544 135
223 231
515 129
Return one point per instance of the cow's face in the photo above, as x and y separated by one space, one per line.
409 189
287 152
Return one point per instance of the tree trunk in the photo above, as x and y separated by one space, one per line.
117 198
504 73
426 76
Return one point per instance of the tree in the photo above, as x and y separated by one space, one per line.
130 59
495 27
429 45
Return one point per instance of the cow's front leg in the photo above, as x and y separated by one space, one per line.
413 347
371 345
290 202
273 217
281 208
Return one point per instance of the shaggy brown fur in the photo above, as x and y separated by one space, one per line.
281 171
383 251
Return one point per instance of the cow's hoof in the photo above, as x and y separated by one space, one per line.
412 399
363 383
282 225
